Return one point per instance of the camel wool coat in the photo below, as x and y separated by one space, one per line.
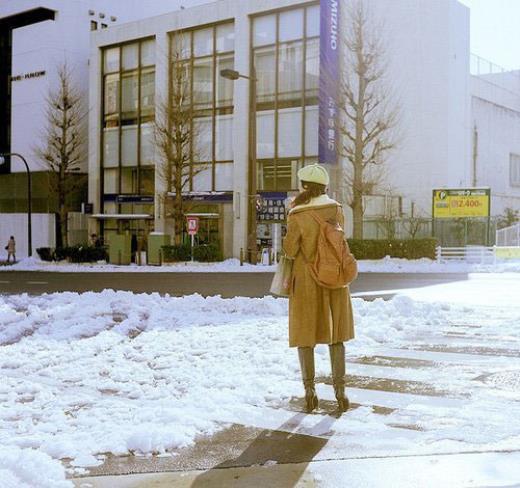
316 315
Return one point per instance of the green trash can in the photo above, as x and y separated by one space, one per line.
156 240
119 249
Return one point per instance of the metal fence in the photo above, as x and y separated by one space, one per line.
509 236
448 232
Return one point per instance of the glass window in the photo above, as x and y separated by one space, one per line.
129 96
285 174
147 181
313 21
129 145
311 131
265 177
202 135
147 144
514 169
111 60
203 82
291 25
109 208
290 71
110 147
265 65
129 181
147 93
111 102
203 42
312 67
110 181
224 138
148 53
264 30
130 56
181 45
224 177
202 177
225 38
224 86
265 134
289 132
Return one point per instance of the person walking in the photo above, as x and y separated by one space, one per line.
11 249
317 314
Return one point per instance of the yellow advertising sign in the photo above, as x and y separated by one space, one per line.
454 204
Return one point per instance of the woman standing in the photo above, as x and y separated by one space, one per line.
11 249
317 315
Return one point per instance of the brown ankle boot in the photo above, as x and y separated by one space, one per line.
337 362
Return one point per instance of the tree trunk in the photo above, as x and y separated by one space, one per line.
64 225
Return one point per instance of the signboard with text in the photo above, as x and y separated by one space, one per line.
328 84
462 202
270 207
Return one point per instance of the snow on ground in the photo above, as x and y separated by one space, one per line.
386 265
115 372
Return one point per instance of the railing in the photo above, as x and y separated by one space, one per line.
468 254
509 236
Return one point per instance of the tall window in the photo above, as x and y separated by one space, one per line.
207 51
285 51
128 116
514 169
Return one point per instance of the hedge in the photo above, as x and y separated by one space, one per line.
202 253
396 248
74 254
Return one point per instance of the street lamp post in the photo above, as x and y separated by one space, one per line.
29 198
233 75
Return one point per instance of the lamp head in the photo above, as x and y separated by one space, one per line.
230 74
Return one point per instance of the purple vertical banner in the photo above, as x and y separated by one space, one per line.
329 80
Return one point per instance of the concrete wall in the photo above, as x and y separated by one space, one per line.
498 135
427 50
43 232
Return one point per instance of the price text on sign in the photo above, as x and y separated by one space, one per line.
193 225
471 202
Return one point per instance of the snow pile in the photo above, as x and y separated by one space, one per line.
28 468
117 372
227 266
385 265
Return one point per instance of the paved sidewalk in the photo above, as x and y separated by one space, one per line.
459 470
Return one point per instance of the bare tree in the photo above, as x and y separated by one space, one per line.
175 138
368 118
63 147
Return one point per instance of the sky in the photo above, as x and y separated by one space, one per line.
495 31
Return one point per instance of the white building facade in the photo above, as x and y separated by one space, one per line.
428 70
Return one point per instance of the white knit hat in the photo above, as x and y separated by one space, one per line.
314 173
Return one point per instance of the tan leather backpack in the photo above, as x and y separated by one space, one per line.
334 265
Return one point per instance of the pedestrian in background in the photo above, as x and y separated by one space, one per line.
317 315
11 249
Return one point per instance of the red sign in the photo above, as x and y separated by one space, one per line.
193 225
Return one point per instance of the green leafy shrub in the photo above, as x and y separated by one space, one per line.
205 253
172 254
74 254
396 248
85 254
45 253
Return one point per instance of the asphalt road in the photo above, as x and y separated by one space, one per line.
224 284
